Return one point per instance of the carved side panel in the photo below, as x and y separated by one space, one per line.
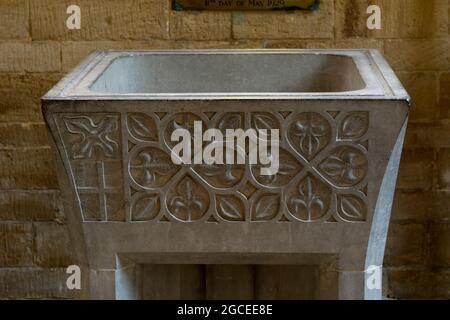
122 170
94 151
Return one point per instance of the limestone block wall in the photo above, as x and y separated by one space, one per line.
37 49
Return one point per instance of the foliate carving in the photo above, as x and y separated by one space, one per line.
142 127
289 167
221 175
310 200
151 167
351 208
232 120
183 120
188 201
93 135
248 190
309 134
346 166
264 121
230 208
354 125
266 207
145 207
122 169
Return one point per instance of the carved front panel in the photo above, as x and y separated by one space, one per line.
122 170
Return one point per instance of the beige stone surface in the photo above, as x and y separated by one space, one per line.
101 20
16 241
444 95
198 25
36 50
20 97
324 44
429 134
404 283
284 25
14 17
34 135
27 56
34 283
406 19
416 169
408 247
412 206
418 55
440 238
443 168
441 206
423 87
52 245
26 205
27 169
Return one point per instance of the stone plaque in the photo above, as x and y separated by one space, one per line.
245 4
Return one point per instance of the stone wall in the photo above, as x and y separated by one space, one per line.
36 49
